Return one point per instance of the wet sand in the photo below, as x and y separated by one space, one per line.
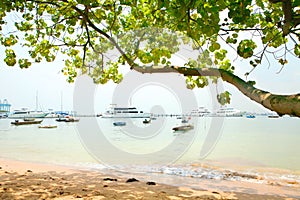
25 180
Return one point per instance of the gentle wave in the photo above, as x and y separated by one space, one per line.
208 173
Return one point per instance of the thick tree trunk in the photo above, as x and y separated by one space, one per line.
281 104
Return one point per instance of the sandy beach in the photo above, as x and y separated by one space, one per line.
25 180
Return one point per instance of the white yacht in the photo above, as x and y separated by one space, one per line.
228 112
200 112
17 114
124 112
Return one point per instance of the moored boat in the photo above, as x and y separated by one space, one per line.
22 114
48 126
200 112
227 112
67 119
146 121
124 112
119 123
183 128
273 116
60 119
29 119
17 122
72 119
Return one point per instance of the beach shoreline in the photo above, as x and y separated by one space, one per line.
28 180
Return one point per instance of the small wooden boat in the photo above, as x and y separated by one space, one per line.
48 126
273 116
17 122
29 119
71 119
146 121
61 119
119 123
183 127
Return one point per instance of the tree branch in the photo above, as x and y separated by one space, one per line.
288 15
111 39
281 104
288 11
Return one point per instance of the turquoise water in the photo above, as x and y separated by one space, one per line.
261 141
261 146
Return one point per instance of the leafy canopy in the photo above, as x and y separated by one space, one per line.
148 32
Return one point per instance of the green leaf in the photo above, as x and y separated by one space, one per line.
246 48
201 82
296 3
224 98
70 30
9 41
282 61
252 83
24 63
297 50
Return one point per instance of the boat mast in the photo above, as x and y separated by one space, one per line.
36 101
61 100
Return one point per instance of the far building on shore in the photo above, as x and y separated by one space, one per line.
4 106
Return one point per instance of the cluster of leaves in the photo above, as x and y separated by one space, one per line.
263 20
199 81
246 48
224 98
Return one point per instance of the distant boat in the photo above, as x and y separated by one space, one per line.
57 114
3 115
29 119
21 114
250 116
124 112
183 128
273 116
200 112
52 115
61 119
185 120
48 126
67 119
17 122
119 123
72 119
227 112
146 121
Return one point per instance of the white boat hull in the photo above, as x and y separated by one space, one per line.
126 116
27 115
124 112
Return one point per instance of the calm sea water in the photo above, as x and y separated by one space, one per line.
217 148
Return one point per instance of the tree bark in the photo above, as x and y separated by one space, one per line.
281 104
